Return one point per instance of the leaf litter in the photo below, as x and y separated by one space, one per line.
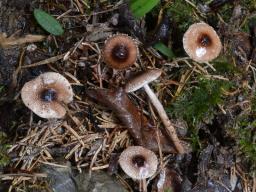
98 126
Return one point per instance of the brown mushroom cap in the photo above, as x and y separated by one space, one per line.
142 79
46 94
120 51
201 42
138 162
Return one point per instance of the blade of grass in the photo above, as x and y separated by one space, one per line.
162 48
140 7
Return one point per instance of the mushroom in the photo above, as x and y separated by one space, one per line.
138 163
46 94
142 81
201 42
120 51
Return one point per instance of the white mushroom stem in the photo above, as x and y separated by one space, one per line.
143 182
164 117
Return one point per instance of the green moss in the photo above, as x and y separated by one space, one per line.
249 4
194 138
168 190
198 103
246 138
253 105
4 158
182 14
225 11
243 131
223 66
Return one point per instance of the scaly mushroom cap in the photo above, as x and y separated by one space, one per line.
142 79
138 162
120 51
46 94
201 42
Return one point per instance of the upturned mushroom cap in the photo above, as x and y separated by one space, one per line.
120 51
138 162
46 94
142 79
201 42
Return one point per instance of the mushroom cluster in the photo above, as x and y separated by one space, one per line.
46 95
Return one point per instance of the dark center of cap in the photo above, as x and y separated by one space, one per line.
138 160
49 95
120 52
204 40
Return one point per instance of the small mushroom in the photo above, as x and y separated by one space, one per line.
201 42
138 162
120 51
142 81
46 94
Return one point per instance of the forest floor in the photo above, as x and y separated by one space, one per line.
211 105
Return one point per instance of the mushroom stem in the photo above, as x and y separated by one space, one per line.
167 123
143 187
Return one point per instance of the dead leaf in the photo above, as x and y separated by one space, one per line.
142 131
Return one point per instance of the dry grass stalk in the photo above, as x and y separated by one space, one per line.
46 61
6 42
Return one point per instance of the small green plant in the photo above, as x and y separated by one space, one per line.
139 8
48 22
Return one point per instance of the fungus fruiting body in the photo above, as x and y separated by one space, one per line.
142 81
120 51
138 162
201 42
46 94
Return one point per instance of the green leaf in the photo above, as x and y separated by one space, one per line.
162 48
140 7
48 22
